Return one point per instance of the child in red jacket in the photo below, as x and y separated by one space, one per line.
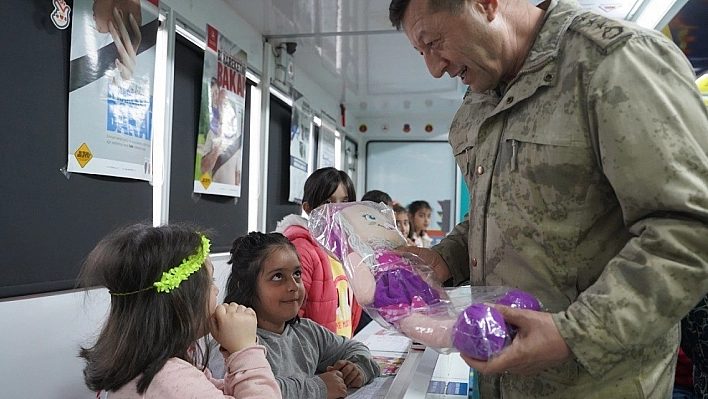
330 301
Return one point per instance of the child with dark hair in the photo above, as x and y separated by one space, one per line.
330 301
163 301
419 214
309 361
378 196
403 223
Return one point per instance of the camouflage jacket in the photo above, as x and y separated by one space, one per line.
588 181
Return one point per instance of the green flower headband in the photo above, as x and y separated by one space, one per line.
173 278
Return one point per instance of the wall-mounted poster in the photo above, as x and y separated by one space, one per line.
326 145
217 169
300 129
110 87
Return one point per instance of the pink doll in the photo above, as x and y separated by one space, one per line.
399 291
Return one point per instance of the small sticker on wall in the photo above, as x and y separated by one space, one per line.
205 180
83 155
428 128
406 128
61 14
363 128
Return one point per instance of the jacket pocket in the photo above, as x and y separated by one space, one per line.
464 152
555 171
545 183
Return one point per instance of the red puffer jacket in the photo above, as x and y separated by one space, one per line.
321 302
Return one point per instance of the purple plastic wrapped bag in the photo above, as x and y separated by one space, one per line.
480 332
519 299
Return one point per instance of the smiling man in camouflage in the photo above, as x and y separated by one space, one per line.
583 143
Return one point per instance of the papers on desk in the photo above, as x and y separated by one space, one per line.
451 379
387 341
376 390
388 349
389 365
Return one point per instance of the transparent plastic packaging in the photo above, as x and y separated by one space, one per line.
400 292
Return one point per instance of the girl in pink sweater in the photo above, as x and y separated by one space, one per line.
163 300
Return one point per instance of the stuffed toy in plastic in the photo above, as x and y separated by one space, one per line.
400 292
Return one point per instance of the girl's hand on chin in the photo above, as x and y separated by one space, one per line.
234 327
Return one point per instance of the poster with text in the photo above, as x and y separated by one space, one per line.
327 140
112 63
300 129
217 169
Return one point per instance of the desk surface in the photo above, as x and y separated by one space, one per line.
419 368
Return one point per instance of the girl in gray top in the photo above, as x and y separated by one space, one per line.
308 360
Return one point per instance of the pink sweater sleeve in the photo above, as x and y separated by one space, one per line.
248 377
248 374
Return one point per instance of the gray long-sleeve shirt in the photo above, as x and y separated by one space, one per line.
305 350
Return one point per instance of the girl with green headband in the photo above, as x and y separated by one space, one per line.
163 301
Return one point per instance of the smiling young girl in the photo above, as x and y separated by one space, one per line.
308 360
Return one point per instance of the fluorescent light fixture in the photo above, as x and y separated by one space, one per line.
317 121
284 98
655 14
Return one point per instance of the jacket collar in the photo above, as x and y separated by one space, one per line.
540 67
556 20
290 220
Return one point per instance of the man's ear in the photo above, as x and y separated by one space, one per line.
489 8
306 207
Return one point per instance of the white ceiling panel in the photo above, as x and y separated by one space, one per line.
351 50
394 67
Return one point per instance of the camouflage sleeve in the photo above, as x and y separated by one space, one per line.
652 130
454 251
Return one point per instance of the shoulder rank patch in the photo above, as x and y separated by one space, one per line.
606 33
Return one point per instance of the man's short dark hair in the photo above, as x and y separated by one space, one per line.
397 9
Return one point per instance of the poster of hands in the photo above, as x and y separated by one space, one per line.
218 161
111 75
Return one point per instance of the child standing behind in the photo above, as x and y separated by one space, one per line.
309 361
378 196
163 300
330 301
402 223
419 213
